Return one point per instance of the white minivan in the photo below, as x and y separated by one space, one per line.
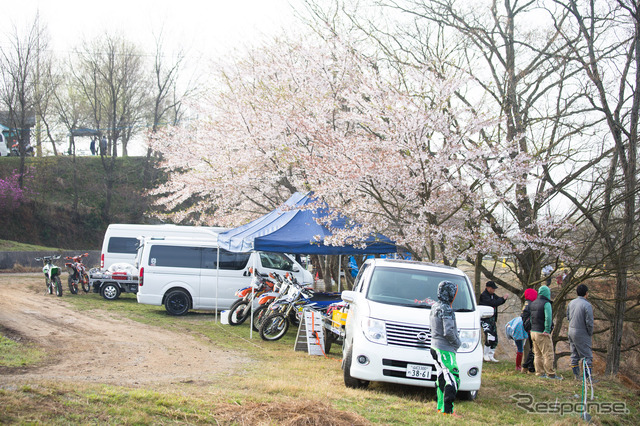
388 333
182 274
120 243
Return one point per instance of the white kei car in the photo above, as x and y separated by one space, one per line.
388 332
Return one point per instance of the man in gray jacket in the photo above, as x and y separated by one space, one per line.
580 316
444 344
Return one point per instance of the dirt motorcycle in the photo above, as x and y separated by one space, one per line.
51 274
283 310
283 284
241 308
77 273
15 150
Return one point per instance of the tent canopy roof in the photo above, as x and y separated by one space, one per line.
295 229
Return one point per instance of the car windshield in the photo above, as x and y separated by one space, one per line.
417 288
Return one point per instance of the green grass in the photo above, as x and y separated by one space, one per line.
279 383
16 354
6 245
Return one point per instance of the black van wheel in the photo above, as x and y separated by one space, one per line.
177 302
110 291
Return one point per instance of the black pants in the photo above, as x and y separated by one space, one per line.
490 332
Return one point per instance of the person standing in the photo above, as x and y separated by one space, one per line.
489 325
444 344
515 331
103 146
529 296
580 316
541 326
92 146
546 272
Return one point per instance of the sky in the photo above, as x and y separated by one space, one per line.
206 27
202 29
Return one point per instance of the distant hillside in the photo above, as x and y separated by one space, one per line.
52 216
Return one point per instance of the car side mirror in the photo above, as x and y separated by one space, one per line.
485 311
348 296
296 269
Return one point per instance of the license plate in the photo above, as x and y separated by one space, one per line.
419 371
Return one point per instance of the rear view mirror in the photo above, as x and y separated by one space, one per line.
348 296
485 311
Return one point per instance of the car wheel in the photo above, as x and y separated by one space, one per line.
110 291
352 382
467 395
177 302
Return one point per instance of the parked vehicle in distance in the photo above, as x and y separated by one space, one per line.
388 332
51 274
183 274
120 243
116 279
4 149
78 277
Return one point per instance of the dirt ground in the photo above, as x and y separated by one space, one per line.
97 346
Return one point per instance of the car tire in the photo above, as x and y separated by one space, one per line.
352 382
110 291
467 395
177 302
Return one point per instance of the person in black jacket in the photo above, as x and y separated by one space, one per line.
489 298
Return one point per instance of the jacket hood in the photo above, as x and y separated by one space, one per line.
447 291
544 291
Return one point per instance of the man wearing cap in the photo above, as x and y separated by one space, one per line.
489 298
580 316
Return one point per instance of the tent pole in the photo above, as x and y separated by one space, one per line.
255 261
339 270
217 279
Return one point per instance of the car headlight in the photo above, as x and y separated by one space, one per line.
374 330
469 340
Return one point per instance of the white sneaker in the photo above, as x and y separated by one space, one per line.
486 353
491 358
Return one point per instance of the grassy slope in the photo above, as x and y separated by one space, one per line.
282 380
49 218
6 245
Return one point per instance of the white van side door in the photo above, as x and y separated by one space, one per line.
233 276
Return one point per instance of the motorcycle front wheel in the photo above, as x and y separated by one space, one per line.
237 314
274 327
85 282
73 285
259 314
58 286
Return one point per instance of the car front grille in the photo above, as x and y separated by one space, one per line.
408 335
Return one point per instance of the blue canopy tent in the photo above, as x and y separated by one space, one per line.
294 229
